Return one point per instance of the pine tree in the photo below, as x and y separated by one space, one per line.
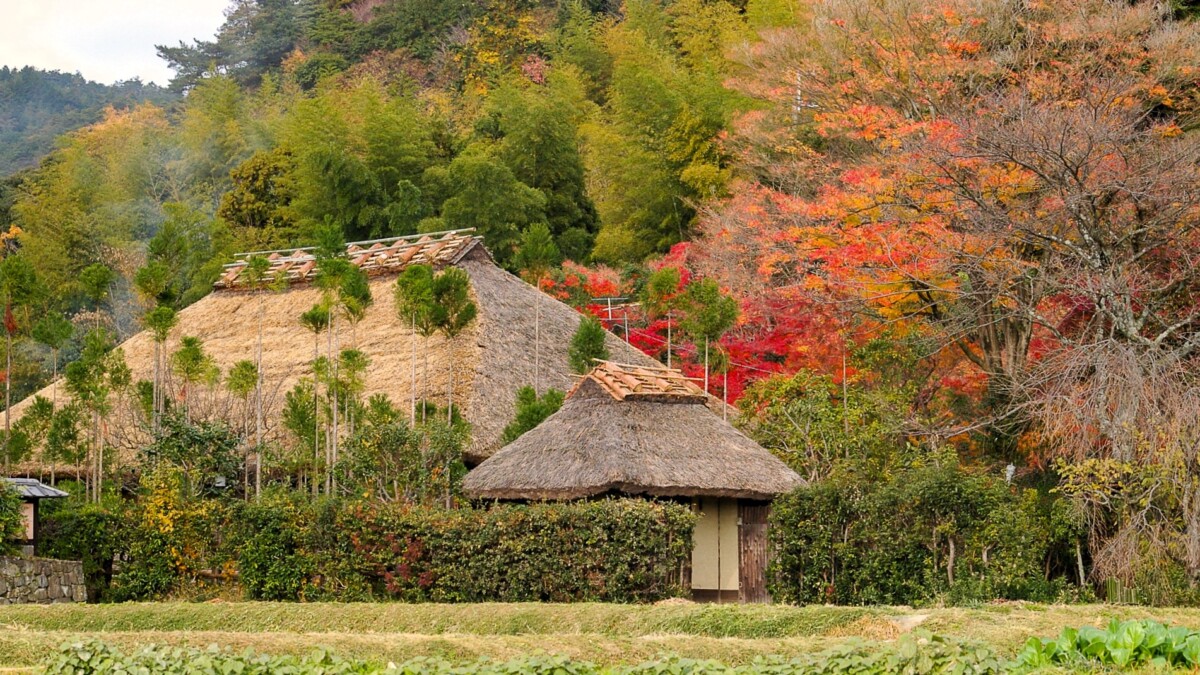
159 321
587 345
537 255
453 312
255 275
710 314
194 367
415 305
242 382
660 297
316 320
53 330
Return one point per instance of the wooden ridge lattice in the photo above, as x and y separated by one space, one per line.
626 382
375 257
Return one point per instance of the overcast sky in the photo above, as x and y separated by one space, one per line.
104 40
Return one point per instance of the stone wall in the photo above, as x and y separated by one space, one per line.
41 581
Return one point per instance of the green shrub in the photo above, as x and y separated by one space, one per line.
531 411
587 345
270 564
925 533
12 522
173 543
76 530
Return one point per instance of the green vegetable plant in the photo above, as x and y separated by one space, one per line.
1123 645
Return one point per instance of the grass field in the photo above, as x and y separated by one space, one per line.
601 633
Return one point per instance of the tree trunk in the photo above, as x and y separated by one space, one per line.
1079 563
54 380
537 340
329 394
100 465
413 420
316 413
7 399
705 365
154 390
668 339
335 364
96 459
258 406
950 563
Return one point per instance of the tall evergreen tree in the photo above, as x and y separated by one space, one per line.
587 345
53 330
453 311
256 278
160 321
710 314
537 255
18 289
415 305
316 320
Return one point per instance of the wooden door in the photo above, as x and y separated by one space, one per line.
753 551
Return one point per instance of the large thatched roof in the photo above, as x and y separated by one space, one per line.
492 359
632 430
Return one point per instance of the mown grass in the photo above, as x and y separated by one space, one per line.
718 621
606 634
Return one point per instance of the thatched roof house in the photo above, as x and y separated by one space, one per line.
632 430
645 430
492 359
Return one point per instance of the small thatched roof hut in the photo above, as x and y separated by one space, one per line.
645 430
632 430
494 357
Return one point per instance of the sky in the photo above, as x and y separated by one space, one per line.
104 40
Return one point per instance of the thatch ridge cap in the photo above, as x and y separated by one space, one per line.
374 256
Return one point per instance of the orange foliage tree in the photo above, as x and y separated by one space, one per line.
1002 182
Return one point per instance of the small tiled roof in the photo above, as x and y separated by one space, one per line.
378 256
645 383
32 488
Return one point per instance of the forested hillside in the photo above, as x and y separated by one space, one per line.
38 106
941 254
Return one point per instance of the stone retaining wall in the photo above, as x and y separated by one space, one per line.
41 581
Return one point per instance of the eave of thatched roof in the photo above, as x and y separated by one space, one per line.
596 444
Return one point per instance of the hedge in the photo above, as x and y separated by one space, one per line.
290 547
87 533
605 551
927 534
620 550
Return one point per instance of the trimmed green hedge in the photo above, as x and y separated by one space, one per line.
290 547
622 550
